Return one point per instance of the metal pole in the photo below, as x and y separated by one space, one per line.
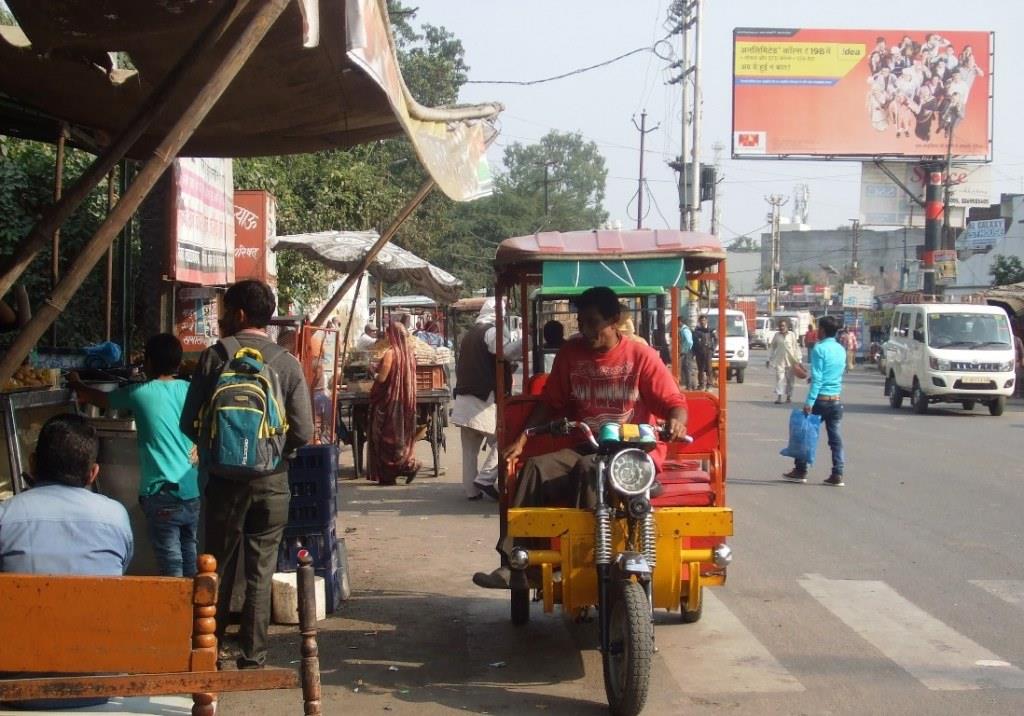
642 127
697 101
188 120
684 192
933 212
79 191
58 188
381 242
109 303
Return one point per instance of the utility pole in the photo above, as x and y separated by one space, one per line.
855 266
547 166
717 196
642 127
933 212
776 201
686 15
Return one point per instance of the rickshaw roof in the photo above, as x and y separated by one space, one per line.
604 243
624 291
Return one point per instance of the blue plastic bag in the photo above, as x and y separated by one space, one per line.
803 437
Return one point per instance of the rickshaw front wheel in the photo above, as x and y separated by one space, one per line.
520 606
627 663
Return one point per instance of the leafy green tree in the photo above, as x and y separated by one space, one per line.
1006 270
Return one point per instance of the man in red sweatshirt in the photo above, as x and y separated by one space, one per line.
597 377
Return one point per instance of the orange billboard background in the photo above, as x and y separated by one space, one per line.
813 92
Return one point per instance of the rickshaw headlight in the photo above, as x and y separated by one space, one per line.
632 471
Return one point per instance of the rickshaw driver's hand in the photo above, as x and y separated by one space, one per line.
676 425
513 451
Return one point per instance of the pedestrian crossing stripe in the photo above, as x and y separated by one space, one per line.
935 654
1010 591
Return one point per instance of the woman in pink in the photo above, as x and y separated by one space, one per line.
392 419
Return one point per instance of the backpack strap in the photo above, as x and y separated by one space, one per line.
231 346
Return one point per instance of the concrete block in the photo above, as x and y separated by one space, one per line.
284 599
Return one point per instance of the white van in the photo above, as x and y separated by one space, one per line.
764 331
737 346
949 353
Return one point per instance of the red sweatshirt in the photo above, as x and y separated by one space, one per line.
628 384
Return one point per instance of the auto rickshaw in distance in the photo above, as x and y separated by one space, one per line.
639 549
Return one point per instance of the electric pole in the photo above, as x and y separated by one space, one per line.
776 201
547 166
686 14
642 127
855 266
718 195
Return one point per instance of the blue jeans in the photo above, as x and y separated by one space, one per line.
831 412
172 532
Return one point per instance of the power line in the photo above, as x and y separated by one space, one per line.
581 70
654 201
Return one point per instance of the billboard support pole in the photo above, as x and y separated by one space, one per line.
933 212
697 102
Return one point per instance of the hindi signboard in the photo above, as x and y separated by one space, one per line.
945 265
858 296
885 203
861 93
255 233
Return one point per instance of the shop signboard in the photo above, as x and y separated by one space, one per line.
945 266
858 296
984 233
811 92
255 233
195 318
202 222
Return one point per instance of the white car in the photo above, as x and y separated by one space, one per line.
949 353
737 347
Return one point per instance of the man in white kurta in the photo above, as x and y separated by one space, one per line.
783 354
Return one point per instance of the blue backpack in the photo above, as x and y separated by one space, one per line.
242 427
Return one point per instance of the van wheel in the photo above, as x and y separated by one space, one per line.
997 406
968 405
739 374
918 399
895 394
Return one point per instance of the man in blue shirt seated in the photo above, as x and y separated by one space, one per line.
60 526
828 363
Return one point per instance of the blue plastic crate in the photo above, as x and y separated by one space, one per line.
315 513
334 576
313 483
320 543
314 461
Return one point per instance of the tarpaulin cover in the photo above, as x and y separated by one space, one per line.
343 250
1010 296
325 76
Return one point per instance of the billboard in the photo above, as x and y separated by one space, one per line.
202 222
858 93
884 203
858 296
255 234
983 234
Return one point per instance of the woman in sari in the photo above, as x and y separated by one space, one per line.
392 419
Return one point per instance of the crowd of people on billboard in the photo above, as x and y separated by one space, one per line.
920 88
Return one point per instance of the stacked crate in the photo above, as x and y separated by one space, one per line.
313 480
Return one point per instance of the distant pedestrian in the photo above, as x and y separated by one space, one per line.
848 340
828 361
686 352
783 355
704 342
810 338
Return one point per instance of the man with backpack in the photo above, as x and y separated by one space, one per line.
247 410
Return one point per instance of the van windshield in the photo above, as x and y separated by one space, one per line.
735 325
968 330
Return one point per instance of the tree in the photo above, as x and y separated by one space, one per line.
1006 270
798 277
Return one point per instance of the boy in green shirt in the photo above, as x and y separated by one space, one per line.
168 484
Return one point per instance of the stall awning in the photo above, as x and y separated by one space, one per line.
343 250
1010 297
325 76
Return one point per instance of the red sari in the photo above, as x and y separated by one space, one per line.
392 418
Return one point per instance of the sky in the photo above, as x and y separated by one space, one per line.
533 39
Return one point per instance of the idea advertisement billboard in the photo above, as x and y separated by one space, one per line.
861 93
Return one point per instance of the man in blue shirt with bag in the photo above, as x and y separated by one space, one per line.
828 363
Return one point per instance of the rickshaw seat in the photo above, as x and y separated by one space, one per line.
673 477
701 424
685 494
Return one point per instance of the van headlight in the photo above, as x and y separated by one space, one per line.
632 471
741 353
1006 367
938 363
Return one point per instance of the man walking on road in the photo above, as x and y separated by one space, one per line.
828 362
849 341
783 354
686 352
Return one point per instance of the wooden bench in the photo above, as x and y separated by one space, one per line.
147 636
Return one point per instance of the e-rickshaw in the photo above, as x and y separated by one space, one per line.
652 541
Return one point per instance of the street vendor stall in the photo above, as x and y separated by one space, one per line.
344 252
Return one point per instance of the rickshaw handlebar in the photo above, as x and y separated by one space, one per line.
566 427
